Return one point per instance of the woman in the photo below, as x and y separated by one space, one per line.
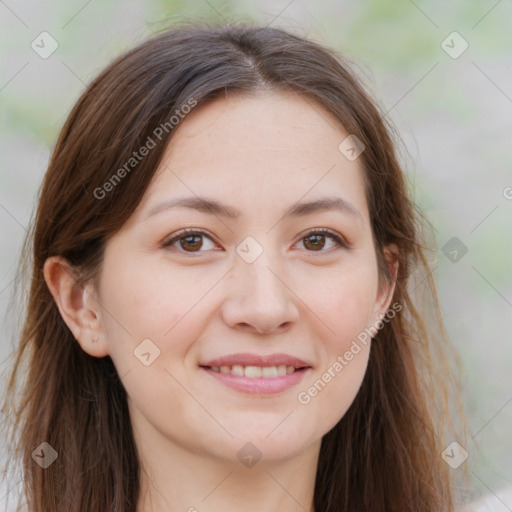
222 311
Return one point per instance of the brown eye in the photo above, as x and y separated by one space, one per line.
190 241
315 242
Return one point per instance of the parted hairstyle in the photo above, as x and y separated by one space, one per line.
384 455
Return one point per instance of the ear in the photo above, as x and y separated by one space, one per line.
386 285
77 306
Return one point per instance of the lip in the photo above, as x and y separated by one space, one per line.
261 385
247 359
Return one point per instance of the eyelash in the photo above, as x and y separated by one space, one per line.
184 233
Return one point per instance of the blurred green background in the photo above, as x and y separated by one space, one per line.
453 112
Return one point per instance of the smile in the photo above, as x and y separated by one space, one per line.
257 380
255 372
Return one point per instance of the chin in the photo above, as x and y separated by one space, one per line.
274 447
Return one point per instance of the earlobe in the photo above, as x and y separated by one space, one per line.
76 309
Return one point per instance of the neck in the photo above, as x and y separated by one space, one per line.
173 478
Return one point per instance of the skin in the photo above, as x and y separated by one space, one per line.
260 154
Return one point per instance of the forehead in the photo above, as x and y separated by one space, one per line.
270 148
273 121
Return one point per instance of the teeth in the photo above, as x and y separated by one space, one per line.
269 372
237 370
255 372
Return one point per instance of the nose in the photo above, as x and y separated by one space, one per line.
259 299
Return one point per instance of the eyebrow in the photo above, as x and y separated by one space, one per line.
213 207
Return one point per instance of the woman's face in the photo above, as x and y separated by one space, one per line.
252 286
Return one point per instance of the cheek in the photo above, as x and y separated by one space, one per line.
346 306
145 300
331 394
166 306
144 305
345 301
336 381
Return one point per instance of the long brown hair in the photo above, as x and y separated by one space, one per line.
384 455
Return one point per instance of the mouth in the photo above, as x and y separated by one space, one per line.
255 374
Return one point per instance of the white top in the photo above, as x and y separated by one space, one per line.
500 501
